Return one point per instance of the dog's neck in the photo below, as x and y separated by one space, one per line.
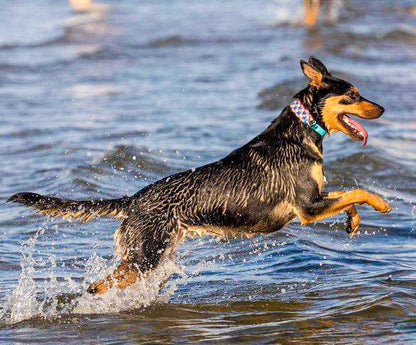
304 116
311 138
289 128
311 99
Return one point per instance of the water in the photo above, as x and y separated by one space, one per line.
101 104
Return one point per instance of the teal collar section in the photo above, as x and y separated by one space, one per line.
304 116
318 129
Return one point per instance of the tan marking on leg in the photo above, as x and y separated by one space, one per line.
317 175
335 194
123 276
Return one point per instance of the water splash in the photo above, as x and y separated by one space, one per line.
51 297
141 294
23 304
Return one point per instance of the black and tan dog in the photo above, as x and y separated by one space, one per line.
258 188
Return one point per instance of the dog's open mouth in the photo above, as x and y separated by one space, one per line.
356 129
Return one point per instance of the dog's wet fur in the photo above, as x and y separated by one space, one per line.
258 188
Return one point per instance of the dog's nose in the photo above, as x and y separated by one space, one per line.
381 110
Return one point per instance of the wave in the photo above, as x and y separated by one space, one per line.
58 38
33 59
115 171
123 157
52 31
366 46
280 95
171 41
180 41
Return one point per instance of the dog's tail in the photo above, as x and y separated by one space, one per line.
85 210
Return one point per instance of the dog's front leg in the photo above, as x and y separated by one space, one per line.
353 217
332 203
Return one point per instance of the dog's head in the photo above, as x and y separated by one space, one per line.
333 101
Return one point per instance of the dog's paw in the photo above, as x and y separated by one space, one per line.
380 204
384 206
388 208
353 221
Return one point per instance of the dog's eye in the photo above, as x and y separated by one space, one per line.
347 100
352 97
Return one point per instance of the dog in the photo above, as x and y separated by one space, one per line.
258 188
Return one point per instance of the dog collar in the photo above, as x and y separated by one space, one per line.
304 116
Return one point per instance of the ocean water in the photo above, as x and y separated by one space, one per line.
101 104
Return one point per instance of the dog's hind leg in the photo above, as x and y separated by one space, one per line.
141 240
124 275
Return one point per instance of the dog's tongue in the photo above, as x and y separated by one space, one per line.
358 127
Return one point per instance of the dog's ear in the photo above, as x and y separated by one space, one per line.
318 64
313 73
